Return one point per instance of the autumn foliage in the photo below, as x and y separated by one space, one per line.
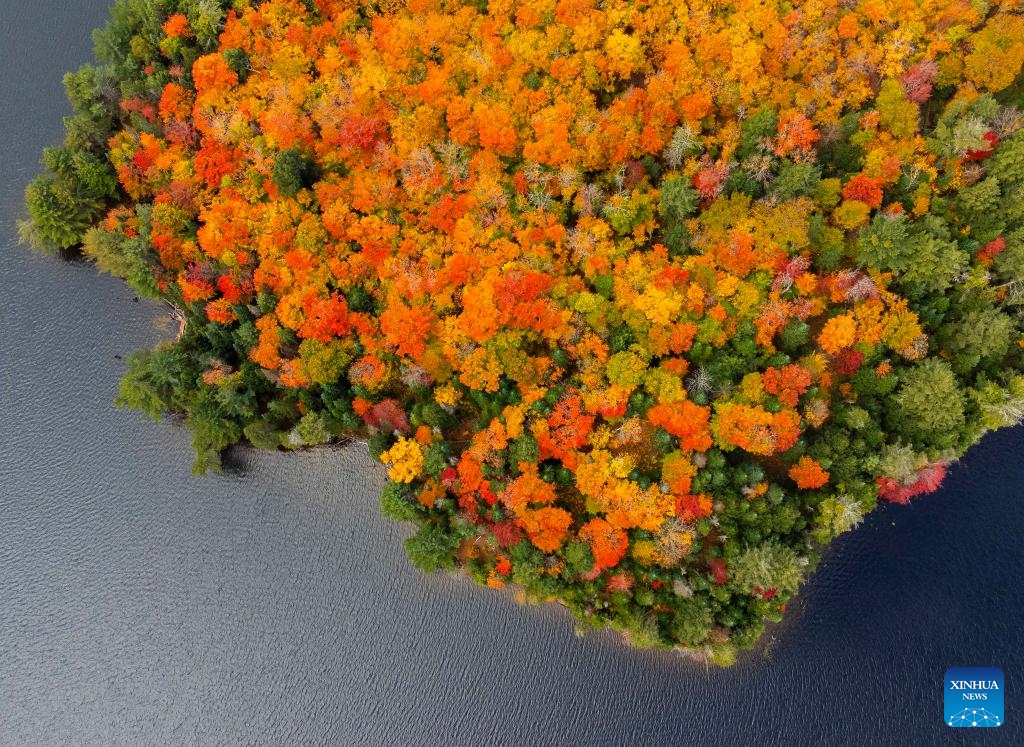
619 292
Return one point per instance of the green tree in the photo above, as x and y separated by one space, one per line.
67 199
691 622
432 548
767 566
292 171
395 503
986 333
677 199
928 407
796 180
885 245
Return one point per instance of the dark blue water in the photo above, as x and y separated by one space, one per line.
272 605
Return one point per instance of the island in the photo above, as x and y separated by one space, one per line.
641 304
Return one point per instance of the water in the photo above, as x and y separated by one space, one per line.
272 605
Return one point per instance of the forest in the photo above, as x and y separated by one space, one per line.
640 302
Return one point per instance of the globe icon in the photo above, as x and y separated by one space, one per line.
974 717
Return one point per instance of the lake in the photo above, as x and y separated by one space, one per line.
273 605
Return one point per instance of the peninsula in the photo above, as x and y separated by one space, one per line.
641 304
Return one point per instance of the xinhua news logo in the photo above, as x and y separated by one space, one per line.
974 697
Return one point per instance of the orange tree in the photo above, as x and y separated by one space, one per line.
639 302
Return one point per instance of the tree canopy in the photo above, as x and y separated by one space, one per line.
640 304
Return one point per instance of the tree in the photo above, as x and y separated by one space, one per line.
677 201
432 548
929 404
808 474
65 202
691 622
292 172
607 543
768 566
395 503
986 333
885 244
